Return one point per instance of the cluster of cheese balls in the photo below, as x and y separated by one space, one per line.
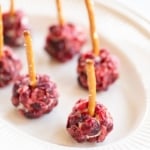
63 42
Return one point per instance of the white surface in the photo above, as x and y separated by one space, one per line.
140 7
128 42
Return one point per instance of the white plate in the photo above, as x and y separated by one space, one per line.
126 99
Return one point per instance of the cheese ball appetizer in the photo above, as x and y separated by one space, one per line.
14 22
33 94
86 128
106 64
10 67
89 120
64 40
34 101
106 69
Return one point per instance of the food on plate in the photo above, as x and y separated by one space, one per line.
89 121
64 40
106 64
33 94
106 69
15 22
10 65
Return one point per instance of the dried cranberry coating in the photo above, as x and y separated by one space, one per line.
63 42
13 28
10 67
106 69
35 101
85 128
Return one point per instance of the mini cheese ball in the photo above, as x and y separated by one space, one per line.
89 120
86 128
106 69
15 22
10 65
33 94
106 64
64 40
34 101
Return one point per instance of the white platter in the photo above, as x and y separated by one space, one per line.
127 99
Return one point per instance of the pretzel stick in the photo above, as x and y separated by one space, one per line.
59 11
30 59
12 9
92 86
94 36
